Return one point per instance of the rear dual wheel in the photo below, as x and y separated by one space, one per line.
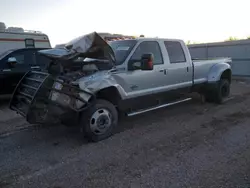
220 93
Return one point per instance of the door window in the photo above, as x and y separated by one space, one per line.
42 60
19 58
148 47
175 52
23 57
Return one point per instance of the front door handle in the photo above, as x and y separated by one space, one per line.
6 70
163 70
36 68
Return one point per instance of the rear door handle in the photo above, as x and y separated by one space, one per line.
35 67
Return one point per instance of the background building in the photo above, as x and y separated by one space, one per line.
238 50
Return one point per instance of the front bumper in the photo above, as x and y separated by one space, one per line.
32 98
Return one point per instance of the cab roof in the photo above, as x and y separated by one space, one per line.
146 39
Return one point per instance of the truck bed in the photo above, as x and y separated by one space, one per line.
212 60
203 66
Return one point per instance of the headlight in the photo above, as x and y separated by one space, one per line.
54 95
64 99
59 97
58 85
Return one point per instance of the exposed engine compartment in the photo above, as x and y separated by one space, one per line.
71 70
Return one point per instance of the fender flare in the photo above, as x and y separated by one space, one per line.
216 71
97 86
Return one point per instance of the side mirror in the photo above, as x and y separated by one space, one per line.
11 61
147 62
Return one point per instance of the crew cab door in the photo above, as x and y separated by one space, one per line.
141 82
10 75
42 62
179 70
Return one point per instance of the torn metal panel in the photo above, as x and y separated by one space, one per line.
87 46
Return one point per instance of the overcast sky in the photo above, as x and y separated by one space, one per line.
195 20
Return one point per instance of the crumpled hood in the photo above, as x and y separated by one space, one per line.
87 46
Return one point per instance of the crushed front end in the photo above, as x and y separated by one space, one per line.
51 96
42 98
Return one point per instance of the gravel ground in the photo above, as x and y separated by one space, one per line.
187 145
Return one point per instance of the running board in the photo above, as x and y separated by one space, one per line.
157 107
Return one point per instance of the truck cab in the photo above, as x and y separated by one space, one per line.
172 65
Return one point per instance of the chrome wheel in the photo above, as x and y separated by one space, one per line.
100 121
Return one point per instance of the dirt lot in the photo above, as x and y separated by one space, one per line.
187 145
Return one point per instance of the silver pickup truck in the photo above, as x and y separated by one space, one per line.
89 82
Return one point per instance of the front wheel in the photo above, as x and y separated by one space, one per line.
99 121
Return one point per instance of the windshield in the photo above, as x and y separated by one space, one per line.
122 48
2 55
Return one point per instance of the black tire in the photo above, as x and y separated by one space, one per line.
209 98
219 93
223 91
103 112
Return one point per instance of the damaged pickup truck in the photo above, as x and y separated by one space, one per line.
90 82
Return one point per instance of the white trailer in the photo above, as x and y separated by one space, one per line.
15 38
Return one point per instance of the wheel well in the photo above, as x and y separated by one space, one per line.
227 74
110 94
